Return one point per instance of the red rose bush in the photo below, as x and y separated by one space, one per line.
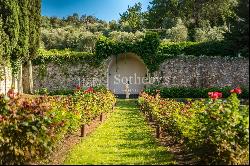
216 132
31 126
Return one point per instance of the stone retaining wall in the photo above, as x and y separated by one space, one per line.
180 71
57 77
204 72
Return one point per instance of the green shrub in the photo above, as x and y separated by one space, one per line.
210 48
189 92
174 49
31 126
68 37
65 92
42 91
178 33
63 56
26 129
207 33
216 131
148 46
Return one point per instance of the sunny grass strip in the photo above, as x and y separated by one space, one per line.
125 138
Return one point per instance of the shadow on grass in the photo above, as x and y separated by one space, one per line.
138 137
125 138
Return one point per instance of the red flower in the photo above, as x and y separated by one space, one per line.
1 118
236 90
89 90
78 88
11 94
215 95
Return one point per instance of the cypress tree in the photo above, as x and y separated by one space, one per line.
21 27
22 49
9 12
4 58
34 35
4 45
34 25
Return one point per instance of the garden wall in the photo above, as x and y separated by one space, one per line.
204 72
57 77
180 71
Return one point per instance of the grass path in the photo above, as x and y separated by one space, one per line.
124 138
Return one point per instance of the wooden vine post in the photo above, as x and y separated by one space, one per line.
101 117
150 117
83 130
158 131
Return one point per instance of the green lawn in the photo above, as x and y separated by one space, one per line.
125 138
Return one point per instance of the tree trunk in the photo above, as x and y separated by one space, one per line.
20 78
31 89
13 81
5 80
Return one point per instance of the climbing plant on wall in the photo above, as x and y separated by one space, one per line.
61 57
146 48
153 52
149 48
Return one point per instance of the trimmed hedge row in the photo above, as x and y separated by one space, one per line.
189 92
215 131
45 91
212 48
67 91
149 48
31 126
63 56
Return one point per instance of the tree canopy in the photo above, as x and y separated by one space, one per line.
133 17
34 27
238 36
9 13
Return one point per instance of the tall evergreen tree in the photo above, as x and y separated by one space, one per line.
9 12
4 57
22 49
34 27
4 45
160 10
133 16
34 35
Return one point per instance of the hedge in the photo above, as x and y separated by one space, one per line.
189 92
212 48
63 56
149 48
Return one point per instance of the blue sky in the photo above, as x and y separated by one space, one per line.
103 9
